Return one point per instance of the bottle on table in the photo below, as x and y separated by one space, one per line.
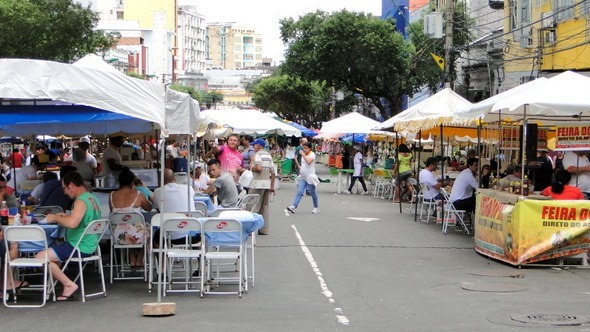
4 213
525 186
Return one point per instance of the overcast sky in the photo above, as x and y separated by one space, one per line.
264 15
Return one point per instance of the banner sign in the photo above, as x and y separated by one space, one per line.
530 230
511 138
542 139
573 137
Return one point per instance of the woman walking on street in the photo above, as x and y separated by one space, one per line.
358 171
307 178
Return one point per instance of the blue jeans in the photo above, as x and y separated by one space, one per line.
301 185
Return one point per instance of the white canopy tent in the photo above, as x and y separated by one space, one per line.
251 122
562 97
436 110
351 123
111 102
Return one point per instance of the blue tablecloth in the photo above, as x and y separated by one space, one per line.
250 224
52 232
206 200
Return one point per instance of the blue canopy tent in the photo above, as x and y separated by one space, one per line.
77 120
304 130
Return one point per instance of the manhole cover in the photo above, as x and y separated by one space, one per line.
551 319
503 287
497 273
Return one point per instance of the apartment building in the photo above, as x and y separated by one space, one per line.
232 47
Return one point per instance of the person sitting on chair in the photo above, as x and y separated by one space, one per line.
223 185
462 195
428 178
86 209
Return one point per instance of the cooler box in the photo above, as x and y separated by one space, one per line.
180 165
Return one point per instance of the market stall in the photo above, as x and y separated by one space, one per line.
523 230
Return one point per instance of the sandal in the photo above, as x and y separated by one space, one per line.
64 298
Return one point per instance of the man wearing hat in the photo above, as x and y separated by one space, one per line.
358 171
264 181
112 160
84 144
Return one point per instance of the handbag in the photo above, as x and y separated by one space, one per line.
246 178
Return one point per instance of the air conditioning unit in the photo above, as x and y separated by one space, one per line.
433 25
547 20
550 37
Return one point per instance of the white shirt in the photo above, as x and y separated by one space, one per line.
581 180
22 174
358 164
464 186
201 183
427 177
172 151
111 153
177 198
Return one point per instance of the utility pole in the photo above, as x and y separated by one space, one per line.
449 63
333 108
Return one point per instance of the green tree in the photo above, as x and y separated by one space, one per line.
58 30
293 98
207 99
353 51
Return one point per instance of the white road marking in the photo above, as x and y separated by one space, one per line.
363 219
342 319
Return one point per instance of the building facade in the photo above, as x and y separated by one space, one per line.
232 47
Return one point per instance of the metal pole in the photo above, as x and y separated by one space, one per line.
449 43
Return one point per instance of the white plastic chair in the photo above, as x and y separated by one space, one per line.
120 222
450 208
430 204
248 273
187 252
97 228
222 241
248 200
201 206
153 252
28 234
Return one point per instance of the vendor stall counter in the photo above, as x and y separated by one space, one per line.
522 230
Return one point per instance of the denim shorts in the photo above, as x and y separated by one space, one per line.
64 250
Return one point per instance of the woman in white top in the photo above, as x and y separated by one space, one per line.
127 200
307 178
358 171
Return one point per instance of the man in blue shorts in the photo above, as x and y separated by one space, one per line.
86 209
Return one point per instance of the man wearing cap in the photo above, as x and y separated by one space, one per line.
264 181
84 144
358 171
112 160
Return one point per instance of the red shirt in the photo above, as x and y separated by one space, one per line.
569 192
16 158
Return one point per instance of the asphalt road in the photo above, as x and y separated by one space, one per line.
359 265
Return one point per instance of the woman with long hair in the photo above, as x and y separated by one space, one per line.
307 179
403 171
560 188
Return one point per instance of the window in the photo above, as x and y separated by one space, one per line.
563 9
525 11
584 8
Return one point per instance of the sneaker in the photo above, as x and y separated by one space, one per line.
315 211
349 192
291 209
365 193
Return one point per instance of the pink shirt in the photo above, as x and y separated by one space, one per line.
231 161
